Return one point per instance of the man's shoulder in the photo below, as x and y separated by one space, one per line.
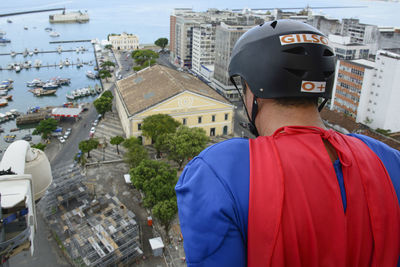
376 145
228 150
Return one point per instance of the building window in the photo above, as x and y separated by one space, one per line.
226 116
199 119
225 130
212 132
139 126
184 121
212 118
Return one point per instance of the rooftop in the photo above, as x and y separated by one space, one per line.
153 85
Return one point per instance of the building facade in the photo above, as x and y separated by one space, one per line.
344 49
161 90
203 51
361 33
124 41
226 37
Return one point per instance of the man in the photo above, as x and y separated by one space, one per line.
299 194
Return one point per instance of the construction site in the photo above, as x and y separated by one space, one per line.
91 230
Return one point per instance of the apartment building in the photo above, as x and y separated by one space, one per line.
124 41
361 33
345 49
369 91
226 37
203 48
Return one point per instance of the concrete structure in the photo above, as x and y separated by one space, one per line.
389 38
368 91
161 90
226 37
325 25
344 49
64 17
203 51
157 246
361 33
124 41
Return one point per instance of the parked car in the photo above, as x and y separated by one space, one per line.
61 139
92 130
95 122
243 124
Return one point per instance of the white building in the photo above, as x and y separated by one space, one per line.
124 41
361 33
345 49
203 51
369 91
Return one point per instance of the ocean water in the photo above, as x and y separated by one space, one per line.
147 19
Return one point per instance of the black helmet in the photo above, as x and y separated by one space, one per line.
284 58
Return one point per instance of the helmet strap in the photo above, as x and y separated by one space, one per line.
252 120
321 106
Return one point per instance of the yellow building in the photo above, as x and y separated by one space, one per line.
162 90
124 41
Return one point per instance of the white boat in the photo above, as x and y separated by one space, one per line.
9 21
25 53
36 51
35 83
17 68
30 53
25 27
90 74
13 54
54 34
3 92
48 29
66 62
59 49
37 63
3 102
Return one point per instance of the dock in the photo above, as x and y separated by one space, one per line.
39 52
31 11
31 118
70 41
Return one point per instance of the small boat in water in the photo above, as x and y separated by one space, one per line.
13 54
50 85
38 63
3 102
35 83
7 97
98 88
27 137
54 34
26 28
4 40
9 21
35 50
10 138
48 29
90 74
42 92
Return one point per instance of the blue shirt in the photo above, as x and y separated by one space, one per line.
213 195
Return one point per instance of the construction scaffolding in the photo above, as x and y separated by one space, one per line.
96 232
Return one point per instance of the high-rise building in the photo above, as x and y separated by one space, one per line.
361 33
345 49
369 91
203 48
226 37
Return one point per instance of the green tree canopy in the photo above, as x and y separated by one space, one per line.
105 74
130 142
109 46
165 211
155 125
116 140
107 64
107 93
151 169
88 145
183 144
161 42
135 154
40 146
102 105
143 56
45 127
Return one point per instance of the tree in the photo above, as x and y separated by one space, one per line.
107 64
40 146
88 145
130 142
109 46
45 127
108 94
183 144
155 125
165 211
102 105
144 56
161 42
105 74
135 155
116 140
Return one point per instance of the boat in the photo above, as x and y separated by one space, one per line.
25 27
3 92
42 92
35 50
30 53
8 84
59 49
27 137
61 81
77 50
9 21
35 83
3 102
27 64
66 62
9 138
4 40
10 116
75 16
13 54
7 97
48 29
90 74
50 85
38 63
17 68
54 34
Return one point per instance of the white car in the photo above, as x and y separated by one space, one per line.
92 130
61 139
95 122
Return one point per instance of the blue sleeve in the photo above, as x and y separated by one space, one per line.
208 210
390 158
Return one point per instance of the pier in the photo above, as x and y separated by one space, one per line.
31 11
71 41
39 52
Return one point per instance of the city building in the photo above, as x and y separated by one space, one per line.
203 49
325 25
124 41
368 91
226 37
344 49
161 90
361 33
